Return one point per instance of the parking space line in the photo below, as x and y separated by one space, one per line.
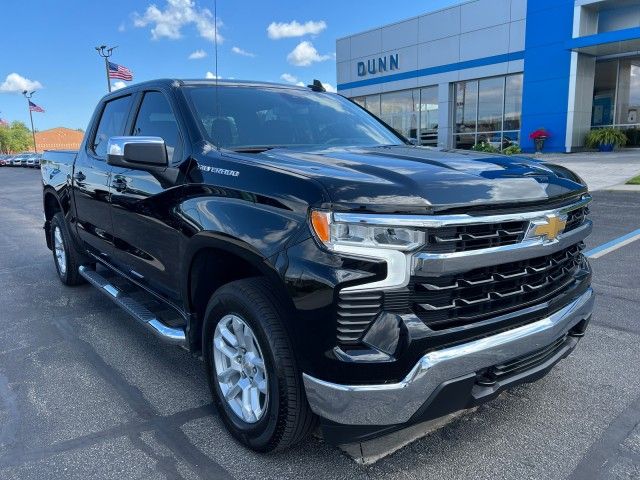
613 245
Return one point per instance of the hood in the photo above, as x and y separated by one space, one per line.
408 178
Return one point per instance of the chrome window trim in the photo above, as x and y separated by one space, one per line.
438 221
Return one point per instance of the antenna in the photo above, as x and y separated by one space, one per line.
317 86
215 42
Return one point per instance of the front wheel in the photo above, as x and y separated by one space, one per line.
66 257
252 372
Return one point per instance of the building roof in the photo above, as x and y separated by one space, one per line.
59 138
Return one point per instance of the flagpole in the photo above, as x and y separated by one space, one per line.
33 132
106 66
105 52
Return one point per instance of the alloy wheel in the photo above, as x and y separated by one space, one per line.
61 257
240 369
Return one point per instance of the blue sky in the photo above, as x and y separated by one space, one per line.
155 39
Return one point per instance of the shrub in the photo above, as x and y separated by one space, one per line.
512 150
484 147
633 137
605 136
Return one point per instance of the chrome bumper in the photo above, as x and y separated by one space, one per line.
391 404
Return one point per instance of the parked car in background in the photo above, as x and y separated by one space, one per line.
3 158
33 160
16 161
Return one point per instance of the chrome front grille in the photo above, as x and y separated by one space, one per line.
355 313
465 298
472 268
463 238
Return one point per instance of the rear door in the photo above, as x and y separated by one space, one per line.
146 230
91 178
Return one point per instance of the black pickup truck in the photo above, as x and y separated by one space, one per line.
326 270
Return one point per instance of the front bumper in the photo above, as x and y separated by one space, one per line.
419 395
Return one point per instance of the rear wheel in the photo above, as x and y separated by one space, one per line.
253 376
66 257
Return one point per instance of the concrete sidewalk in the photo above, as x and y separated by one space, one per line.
601 171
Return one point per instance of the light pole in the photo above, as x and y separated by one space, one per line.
28 96
105 52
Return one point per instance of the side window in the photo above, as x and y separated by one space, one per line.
155 119
112 122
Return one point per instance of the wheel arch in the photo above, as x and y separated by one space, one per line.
51 204
213 260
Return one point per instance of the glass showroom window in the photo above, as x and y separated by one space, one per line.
628 104
429 116
488 110
400 111
407 111
616 97
370 102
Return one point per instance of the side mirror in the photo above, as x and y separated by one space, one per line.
137 152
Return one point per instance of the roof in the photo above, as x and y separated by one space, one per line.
172 82
59 138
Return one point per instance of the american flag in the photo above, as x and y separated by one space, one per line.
118 71
35 108
3 122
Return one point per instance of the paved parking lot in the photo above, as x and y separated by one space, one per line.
86 393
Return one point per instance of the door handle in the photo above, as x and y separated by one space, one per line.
119 184
79 177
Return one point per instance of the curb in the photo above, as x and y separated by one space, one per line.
623 188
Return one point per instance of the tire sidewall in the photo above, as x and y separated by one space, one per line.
256 434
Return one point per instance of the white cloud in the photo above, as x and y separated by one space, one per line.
198 54
168 23
18 83
211 75
328 87
277 30
117 85
242 52
305 54
287 77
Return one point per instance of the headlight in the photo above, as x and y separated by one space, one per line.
333 233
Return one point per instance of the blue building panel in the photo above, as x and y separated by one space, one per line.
545 93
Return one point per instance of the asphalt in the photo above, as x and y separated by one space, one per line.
86 393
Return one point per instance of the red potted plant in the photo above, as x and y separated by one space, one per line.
539 136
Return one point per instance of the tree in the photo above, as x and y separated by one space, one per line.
15 138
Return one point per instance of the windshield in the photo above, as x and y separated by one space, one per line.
249 117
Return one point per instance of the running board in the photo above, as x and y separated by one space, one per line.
138 311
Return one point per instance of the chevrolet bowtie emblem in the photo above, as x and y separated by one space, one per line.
551 227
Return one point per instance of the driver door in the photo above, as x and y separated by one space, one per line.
146 233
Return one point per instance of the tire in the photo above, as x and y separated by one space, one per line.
66 257
286 418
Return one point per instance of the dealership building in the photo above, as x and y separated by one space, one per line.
496 70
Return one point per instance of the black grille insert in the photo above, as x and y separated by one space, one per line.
521 364
575 218
355 313
466 298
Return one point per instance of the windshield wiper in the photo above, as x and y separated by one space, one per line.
256 148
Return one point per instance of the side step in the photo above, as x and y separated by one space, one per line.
138 311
